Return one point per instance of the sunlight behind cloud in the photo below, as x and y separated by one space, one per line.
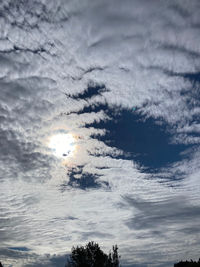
62 145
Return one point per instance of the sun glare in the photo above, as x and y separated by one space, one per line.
62 145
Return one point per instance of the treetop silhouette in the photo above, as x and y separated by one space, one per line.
92 256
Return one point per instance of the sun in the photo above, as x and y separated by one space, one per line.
62 145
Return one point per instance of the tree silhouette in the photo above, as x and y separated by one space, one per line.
114 257
190 263
1 264
92 256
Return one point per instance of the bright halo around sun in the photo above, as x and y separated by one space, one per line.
62 145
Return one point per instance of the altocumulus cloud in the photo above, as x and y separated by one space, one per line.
123 78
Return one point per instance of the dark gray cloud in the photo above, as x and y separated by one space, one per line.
155 215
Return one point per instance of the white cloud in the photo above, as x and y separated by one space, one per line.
140 51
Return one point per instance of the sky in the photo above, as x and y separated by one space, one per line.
99 130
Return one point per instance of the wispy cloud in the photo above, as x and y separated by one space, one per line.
123 78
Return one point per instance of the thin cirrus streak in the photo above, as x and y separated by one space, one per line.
123 79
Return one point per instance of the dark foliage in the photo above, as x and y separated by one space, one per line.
92 256
187 264
1 264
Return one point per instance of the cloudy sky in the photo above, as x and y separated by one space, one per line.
99 130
